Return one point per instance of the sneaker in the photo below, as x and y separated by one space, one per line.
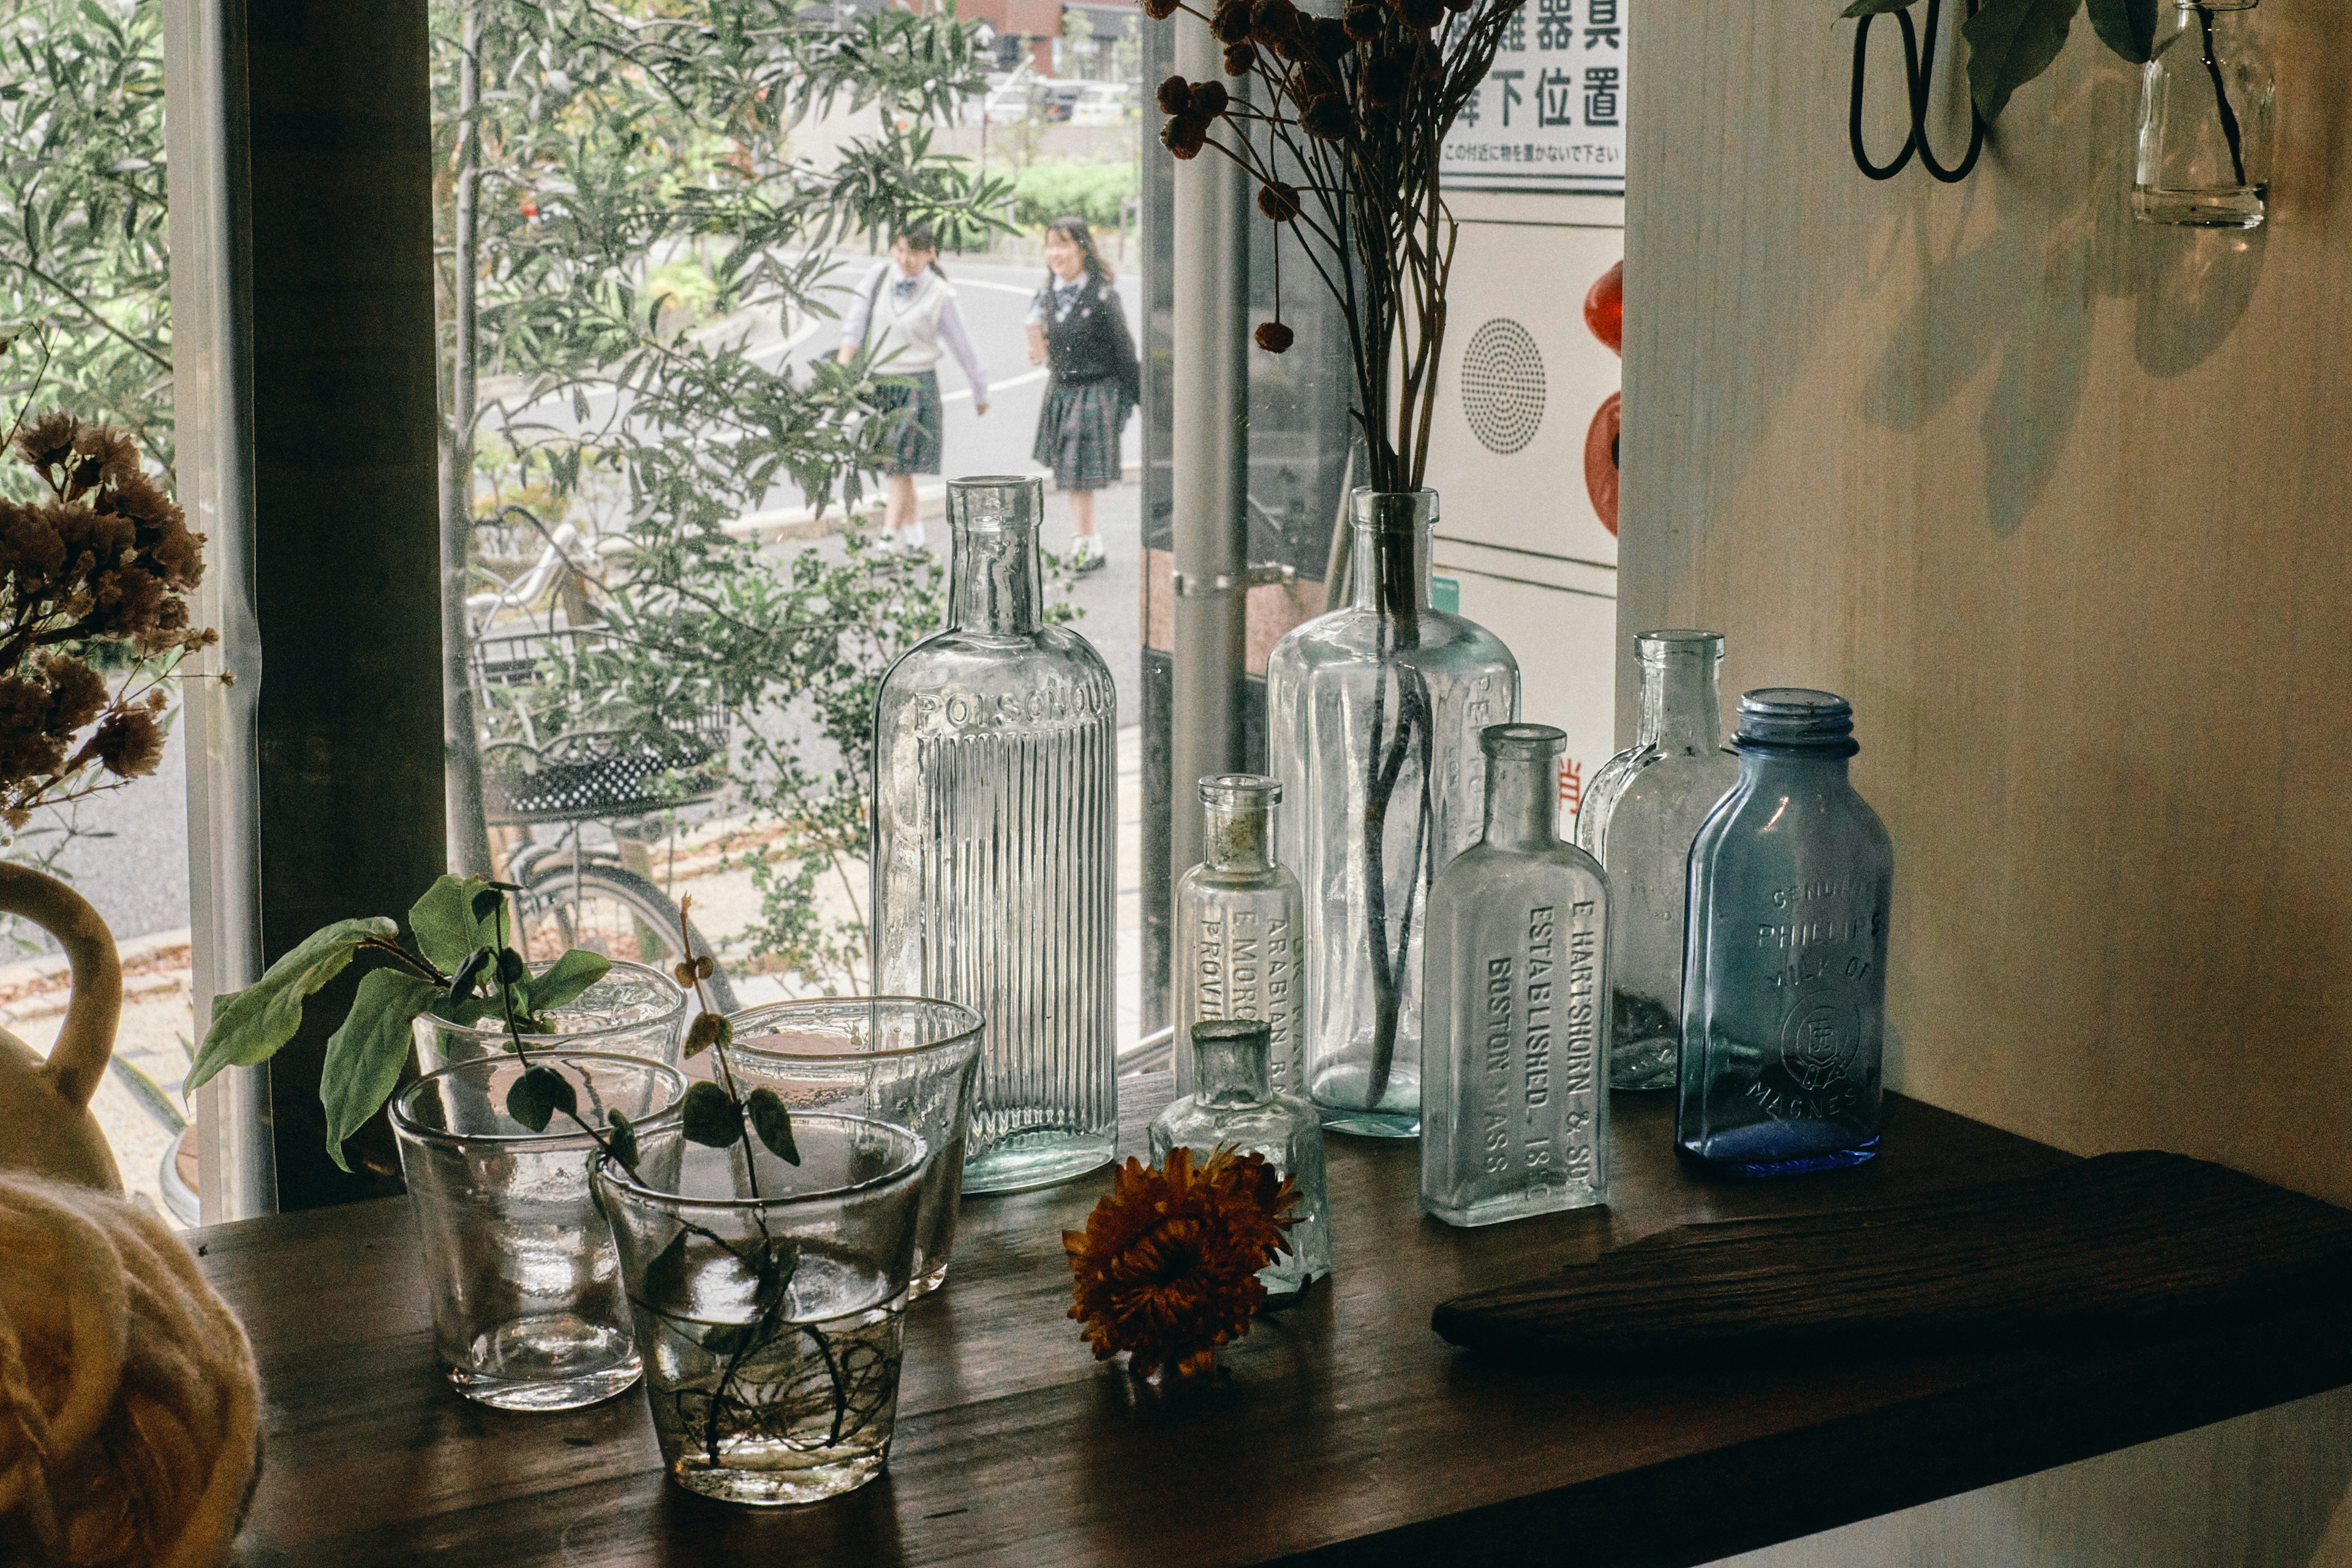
1086 554
910 540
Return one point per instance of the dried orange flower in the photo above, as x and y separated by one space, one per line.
1167 1266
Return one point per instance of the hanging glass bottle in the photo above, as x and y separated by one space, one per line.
1784 980
2205 112
1372 722
1236 1106
1514 1104
1239 938
1638 819
992 876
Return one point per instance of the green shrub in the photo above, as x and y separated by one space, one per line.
1056 187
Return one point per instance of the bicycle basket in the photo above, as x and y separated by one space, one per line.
587 774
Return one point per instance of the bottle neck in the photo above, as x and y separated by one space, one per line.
1793 766
1682 698
1238 839
1522 803
997 585
1391 571
1234 1075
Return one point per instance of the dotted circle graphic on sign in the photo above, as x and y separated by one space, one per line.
1503 385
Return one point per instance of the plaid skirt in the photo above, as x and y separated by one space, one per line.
911 415
1078 433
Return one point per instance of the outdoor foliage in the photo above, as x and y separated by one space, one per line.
1056 187
83 255
616 176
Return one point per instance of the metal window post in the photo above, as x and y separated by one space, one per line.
1210 452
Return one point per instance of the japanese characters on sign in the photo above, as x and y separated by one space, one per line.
1551 113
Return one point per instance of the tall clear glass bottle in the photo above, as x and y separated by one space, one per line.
1638 819
1237 1105
1240 940
1372 722
2205 103
1515 1103
1784 981
993 861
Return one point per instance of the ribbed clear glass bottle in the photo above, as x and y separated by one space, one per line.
2206 106
1237 1105
1514 1101
993 861
1784 982
1638 818
1372 722
1239 936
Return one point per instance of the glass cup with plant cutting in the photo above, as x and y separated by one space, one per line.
767 1280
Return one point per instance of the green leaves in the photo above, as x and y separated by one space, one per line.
2126 27
710 1117
251 1025
457 916
563 980
365 1056
2010 42
773 1120
707 1029
1876 7
621 1136
538 1095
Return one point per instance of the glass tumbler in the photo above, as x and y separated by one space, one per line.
904 1059
767 1300
528 1310
633 1011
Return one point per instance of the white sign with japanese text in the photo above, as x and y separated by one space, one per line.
1551 115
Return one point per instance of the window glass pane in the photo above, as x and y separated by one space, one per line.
84 295
653 264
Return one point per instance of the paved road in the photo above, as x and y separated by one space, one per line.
137 875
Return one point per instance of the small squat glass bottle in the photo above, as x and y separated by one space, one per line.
1372 716
1784 982
994 761
1638 820
1239 938
1515 1113
1237 1105
2206 101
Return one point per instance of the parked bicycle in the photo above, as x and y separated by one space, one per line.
582 805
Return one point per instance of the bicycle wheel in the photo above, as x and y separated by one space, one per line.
606 910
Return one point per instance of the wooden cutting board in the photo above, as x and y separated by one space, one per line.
2111 1243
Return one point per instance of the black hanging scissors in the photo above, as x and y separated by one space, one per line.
1918 72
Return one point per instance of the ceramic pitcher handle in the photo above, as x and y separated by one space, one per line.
78 1061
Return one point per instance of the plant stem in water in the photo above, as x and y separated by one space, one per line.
2221 98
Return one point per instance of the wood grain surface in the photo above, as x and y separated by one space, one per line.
1341 1430
2121 1242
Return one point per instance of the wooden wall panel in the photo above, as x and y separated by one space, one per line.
2060 500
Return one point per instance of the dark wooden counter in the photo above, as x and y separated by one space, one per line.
1342 1429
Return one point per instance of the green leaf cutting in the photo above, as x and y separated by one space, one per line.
445 922
710 1117
538 1095
2010 42
252 1025
365 1056
2126 27
561 981
773 1120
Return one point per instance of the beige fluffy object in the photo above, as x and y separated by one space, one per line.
128 1410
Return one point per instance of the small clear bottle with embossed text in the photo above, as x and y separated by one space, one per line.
1784 973
1638 820
994 762
1239 930
1515 1102
1237 1106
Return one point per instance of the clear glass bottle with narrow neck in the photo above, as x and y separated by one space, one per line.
2206 108
1239 937
1237 1105
1638 819
1515 1102
993 863
1372 722
1784 977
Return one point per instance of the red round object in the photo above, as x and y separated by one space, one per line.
1601 460
1604 309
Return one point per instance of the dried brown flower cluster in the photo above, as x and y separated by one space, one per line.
105 557
1341 126
1167 1266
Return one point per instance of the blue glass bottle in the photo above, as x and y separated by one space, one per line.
1784 970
